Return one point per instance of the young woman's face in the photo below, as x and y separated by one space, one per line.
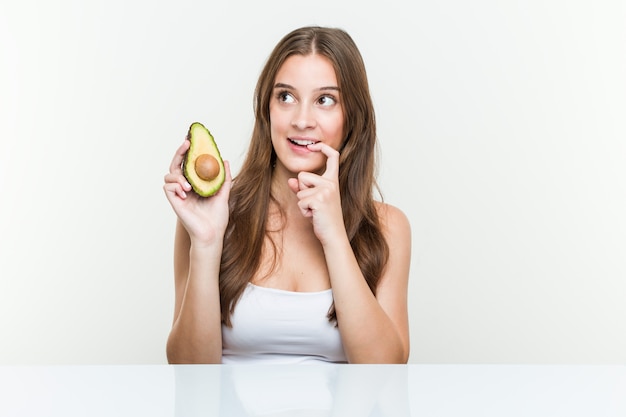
305 108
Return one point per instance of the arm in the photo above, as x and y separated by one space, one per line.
196 335
374 329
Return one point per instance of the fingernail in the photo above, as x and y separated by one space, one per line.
187 186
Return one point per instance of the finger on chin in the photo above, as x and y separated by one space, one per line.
293 184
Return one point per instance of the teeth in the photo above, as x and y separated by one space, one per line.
303 142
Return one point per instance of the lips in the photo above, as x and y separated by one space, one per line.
302 142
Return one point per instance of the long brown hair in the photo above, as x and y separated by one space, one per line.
251 194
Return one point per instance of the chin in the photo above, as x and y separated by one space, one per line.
295 166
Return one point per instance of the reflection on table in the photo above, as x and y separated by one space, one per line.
277 391
313 390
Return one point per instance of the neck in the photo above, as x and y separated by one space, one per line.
284 196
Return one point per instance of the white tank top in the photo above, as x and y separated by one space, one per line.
278 326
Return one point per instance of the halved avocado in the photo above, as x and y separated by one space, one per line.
203 165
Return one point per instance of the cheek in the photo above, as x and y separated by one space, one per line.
334 130
278 120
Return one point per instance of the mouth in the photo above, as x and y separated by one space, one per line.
302 142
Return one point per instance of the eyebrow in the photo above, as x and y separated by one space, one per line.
290 87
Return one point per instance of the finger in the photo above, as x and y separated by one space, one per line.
294 185
307 197
175 166
307 180
228 181
305 208
174 189
177 178
229 177
332 159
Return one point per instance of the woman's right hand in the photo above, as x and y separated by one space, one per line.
204 218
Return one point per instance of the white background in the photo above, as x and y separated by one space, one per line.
503 134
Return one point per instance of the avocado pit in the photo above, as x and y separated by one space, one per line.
207 167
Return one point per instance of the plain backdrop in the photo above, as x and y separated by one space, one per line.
502 129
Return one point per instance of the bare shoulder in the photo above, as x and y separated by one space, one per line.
393 287
393 220
397 231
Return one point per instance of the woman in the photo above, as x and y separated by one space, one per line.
294 261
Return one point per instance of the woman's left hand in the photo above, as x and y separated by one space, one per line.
319 196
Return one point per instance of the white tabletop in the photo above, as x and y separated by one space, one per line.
308 390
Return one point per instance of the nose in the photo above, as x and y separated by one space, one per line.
303 117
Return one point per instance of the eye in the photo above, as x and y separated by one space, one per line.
327 100
285 97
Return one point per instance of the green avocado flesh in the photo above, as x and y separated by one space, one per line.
205 182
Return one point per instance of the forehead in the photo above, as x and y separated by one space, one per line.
311 70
